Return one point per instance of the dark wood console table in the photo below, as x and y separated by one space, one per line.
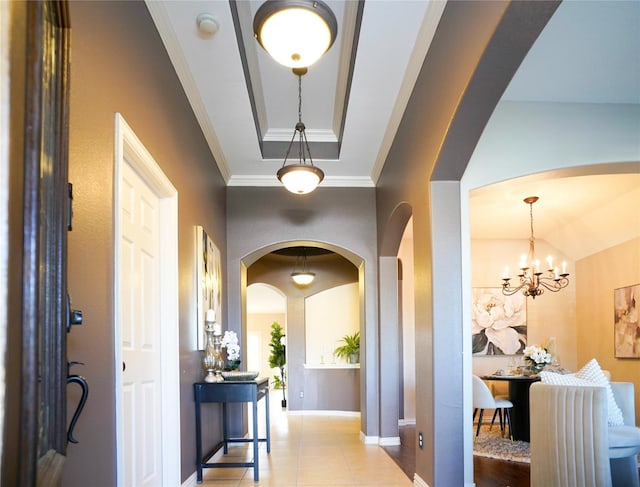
519 396
224 393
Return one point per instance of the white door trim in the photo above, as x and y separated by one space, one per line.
129 150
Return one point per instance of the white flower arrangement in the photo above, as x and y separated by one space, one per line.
230 342
537 355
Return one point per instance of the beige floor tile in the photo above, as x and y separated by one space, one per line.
310 451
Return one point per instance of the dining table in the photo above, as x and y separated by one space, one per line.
519 396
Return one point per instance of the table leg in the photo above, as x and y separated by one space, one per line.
266 398
198 443
256 467
224 428
519 396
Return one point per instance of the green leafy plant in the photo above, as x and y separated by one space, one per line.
278 355
277 382
350 350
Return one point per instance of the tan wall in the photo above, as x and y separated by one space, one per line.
600 274
549 315
119 64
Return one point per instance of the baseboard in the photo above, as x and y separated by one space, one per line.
418 482
314 412
369 440
407 422
389 441
192 481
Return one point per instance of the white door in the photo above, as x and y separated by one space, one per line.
139 331
146 321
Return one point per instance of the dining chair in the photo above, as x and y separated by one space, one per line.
484 399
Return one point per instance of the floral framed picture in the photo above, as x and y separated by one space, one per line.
625 322
498 322
209 281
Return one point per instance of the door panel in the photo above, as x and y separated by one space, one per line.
140 333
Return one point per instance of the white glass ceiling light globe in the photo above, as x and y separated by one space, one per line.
300 178
296 33
303 278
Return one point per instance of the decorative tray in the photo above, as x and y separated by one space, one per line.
236 375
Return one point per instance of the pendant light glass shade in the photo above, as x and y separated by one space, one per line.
303 278
300 178
296 33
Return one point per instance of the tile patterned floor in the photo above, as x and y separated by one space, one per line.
311 451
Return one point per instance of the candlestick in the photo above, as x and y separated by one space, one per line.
564 267
217 329
505 274
550 262
555 272
210 315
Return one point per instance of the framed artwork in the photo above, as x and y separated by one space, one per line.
498 322
625 322
209 281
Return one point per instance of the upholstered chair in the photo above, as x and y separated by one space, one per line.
624 441
483 399
571 442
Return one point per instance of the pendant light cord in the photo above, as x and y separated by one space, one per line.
299 98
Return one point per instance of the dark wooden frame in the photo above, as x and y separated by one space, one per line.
45 213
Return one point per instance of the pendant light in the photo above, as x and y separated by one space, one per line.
296 33
301 275
303 177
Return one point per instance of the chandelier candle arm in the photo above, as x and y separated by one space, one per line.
532 281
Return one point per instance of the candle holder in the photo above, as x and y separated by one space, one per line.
212 360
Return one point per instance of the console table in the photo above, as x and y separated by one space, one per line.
229 392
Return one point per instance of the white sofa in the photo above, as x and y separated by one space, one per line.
571 443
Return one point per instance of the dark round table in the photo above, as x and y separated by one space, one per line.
519 396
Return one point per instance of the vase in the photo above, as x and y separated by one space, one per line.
536 368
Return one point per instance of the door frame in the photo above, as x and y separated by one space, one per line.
129 150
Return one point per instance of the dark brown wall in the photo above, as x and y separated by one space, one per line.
119 65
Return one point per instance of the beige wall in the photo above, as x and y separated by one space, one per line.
330 315
549 315
600 274
259 329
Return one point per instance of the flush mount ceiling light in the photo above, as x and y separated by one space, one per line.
296 33
300 178
301 274
533 281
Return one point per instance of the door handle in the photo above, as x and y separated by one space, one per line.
78 379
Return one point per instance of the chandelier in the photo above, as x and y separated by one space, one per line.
534 281
300 178
296 33
301 274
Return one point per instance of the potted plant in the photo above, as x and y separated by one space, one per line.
278 356
350 350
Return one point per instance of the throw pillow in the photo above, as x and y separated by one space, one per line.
589 375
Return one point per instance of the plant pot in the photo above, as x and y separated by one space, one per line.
354 358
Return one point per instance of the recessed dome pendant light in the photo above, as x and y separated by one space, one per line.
301 275
300 178
296 33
